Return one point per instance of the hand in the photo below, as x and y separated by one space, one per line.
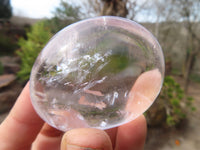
24 130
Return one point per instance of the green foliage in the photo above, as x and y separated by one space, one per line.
37 37
54 24
65 14
65 11
175 101
116 63
170 120
1 69
7 45
41 32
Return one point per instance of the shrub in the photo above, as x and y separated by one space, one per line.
175 101
37 37
7 45
41 32
171 106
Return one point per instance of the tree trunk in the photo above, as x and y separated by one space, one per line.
157 25
188 69
114 8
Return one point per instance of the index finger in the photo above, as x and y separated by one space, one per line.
131 136
21 126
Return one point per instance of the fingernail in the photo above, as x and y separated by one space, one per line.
75 147
80 139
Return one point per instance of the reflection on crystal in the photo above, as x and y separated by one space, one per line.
97 75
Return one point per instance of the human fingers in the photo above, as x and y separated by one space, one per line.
131 136
141 96
144 92
86 138
112 134
48 138
22 125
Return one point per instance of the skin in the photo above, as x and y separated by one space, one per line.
24 130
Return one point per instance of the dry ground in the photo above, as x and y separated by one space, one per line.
187 136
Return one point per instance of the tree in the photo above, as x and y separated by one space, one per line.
114 8
5 9
40 33
65 11
177 15
65 14
37 37
122 8
109 7
188 12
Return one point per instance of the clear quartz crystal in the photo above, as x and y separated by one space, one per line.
100 72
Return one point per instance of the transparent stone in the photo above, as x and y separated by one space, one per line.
100 73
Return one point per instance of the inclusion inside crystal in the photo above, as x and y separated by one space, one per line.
100 73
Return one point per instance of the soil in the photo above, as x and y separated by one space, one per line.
186 136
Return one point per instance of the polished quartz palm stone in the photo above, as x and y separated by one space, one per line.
100 73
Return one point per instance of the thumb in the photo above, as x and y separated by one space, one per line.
86 138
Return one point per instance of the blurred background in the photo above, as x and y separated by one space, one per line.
173 120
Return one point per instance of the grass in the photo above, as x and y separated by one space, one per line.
195 78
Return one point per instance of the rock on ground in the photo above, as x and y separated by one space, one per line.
9 91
